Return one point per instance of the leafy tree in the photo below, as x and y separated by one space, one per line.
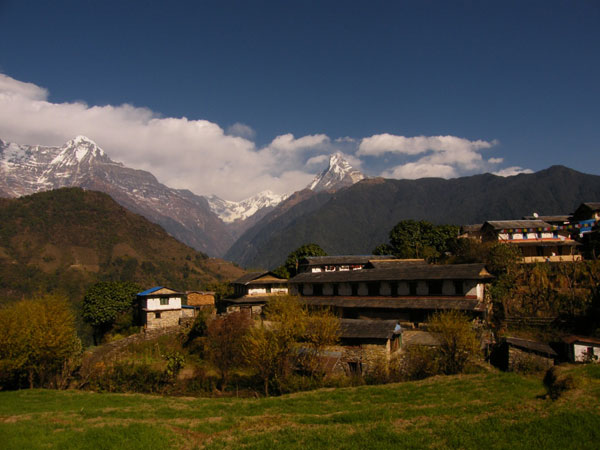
224 337
458 341
38 342
290 266
105 301
273 348
322 329
422 239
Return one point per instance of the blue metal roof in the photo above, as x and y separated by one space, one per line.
151 290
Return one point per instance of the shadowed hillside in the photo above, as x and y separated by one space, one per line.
64 240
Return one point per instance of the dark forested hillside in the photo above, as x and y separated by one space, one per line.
357 219
64 240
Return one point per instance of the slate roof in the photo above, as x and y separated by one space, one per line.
390 263
248 300
341 259
399 272
431 303
253 277
535 346
549 219
581 339
419 338
502 224
367 329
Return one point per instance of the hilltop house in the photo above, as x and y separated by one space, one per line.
160 307
537 240
252 291
403 290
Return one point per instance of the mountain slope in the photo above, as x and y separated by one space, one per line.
80 162
68 238
355 220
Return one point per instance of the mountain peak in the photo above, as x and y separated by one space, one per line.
229 211
338 174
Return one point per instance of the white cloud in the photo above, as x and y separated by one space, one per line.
192 154
420 170
511 171
288 143
241 130
200 156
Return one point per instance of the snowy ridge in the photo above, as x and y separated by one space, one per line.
229 211
339 174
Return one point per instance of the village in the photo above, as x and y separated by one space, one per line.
384 303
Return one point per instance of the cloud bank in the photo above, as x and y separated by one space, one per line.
201 156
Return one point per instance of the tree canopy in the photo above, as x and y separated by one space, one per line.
422 239
290 266
105 301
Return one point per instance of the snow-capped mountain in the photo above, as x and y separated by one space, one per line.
229 211
339 174
80 162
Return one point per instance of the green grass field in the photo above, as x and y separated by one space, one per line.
493 410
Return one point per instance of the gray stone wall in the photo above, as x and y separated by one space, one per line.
167 319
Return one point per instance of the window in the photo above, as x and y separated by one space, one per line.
412 288
373 288
394 289
335 289
459 288
317 289
157 315
164 301
435 287
354 288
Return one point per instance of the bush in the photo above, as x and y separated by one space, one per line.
458 341
418 362
38 343
130 377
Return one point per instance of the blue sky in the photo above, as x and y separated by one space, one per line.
269 88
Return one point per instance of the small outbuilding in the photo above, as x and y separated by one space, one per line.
582 348
516 354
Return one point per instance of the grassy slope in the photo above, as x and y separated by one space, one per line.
495 410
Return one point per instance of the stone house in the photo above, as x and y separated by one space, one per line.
407 291
582 349
251 293
160 307
364 342
515 354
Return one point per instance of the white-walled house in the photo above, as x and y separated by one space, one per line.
160 307
583 348
537 240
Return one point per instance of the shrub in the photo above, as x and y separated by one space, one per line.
38 343
418 362
458 341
